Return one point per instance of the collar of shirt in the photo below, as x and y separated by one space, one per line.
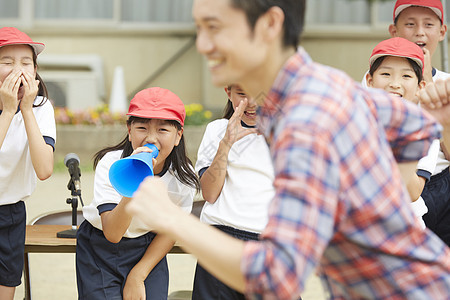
273 103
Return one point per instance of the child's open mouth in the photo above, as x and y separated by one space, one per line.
251 113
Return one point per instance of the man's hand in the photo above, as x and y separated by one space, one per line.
151 204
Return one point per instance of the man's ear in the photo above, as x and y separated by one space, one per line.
271 23
393 30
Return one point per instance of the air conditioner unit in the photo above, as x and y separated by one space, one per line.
74 90
73 81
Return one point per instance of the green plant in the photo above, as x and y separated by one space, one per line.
196 114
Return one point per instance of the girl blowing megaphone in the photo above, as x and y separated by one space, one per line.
114 257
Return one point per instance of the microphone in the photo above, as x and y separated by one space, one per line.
72 162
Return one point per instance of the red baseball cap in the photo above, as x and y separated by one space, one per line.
157 103
434 5
398 47
13 36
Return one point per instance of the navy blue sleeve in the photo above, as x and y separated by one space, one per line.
105 207
50 141
424 174
202 170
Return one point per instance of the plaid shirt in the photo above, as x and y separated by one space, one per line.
340 204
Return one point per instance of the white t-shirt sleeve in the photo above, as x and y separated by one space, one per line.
427 164
209 145
419 209
46 118
103 190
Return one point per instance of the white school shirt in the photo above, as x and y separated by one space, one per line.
17 176
248 188
104 193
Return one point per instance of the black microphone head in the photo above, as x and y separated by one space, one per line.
69 157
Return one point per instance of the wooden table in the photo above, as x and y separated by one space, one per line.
43 239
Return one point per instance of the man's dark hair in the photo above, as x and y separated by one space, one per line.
294 12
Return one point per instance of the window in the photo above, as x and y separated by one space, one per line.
375 13
348 12
73 13
9 9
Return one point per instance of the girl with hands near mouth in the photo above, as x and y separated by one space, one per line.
236 176
27 140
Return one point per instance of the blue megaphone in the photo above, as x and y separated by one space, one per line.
127 173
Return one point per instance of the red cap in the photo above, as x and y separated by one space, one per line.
398 47
434 5
13 36
157 103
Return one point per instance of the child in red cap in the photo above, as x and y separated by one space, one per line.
27 140
420 21
118 256
396 66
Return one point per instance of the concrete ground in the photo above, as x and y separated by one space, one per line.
53 275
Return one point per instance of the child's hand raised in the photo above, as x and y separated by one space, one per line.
235 130
31 87
435 99
9 89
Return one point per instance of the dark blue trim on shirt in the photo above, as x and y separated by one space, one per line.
105 207
433 72
50 141
18 109
424 174
247 126
202 171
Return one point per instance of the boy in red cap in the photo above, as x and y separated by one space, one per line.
421 22
27 140
119 257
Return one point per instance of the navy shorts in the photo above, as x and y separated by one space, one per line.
206 286
436 195
12 243
102 266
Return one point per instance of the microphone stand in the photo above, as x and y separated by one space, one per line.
71 233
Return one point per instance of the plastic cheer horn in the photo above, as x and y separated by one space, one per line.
127 173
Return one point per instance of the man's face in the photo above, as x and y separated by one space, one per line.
233 51
420 25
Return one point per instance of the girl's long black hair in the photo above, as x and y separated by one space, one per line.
228 111
178 158
42 91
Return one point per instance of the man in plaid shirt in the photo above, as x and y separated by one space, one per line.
340 205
